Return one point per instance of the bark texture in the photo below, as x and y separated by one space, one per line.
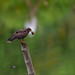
27 59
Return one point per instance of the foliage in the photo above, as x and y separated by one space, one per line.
52 47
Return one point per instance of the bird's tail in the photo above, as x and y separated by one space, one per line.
11 39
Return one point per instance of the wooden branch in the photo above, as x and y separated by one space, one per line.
27 59
37 4
29 4
45 2
32 8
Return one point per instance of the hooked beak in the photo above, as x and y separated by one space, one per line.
32 32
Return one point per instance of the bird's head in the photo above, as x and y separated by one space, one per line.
30 30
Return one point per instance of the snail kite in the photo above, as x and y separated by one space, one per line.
20 34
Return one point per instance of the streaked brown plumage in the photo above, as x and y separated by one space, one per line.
20 34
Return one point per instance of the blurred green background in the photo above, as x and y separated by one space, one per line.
52 48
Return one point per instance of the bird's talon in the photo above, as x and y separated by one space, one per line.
22 42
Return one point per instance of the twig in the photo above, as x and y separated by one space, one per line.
27 59
32 8
29 4
35 8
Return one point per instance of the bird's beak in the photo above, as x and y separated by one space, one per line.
32 32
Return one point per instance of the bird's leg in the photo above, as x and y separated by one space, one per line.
22 41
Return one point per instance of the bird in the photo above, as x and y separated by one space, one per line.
20 34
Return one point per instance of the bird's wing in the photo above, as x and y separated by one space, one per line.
22 30
19 34
12 38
